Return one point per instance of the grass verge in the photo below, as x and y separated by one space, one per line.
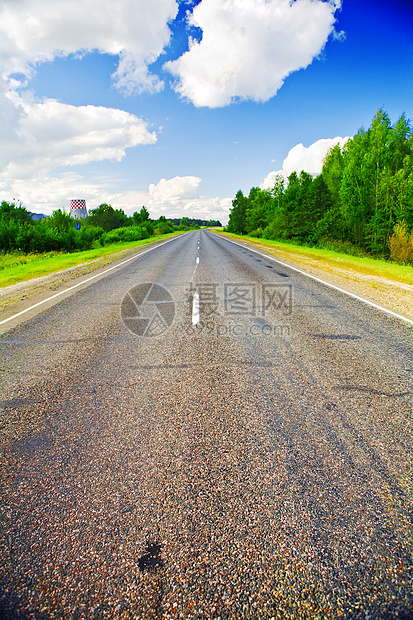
15 268
332 260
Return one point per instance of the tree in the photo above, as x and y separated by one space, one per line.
399 144
107 218
278 192
403 192
9 212
140 218
356 185
333 170
291 204
60 220
319 203
184 223
377 154
258 210
365 190
236 222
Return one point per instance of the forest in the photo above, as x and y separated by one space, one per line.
361 203
19 232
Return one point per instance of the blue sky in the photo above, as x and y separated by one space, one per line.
177 106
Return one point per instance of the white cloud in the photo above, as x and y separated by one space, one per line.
35 31
199 207
52 134
310 159
170 192
170 197
44 194
180 196
36 136
249 47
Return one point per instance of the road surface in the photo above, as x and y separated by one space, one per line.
205 433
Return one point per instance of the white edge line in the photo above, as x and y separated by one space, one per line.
195 309
337 288
71 288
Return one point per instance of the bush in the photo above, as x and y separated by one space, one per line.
89 237
162 228
401 244
39 237
36 239
60 220
66 240
125 235
343 247
256 233
19 232
8 235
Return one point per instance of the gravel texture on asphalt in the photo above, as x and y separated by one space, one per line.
258 465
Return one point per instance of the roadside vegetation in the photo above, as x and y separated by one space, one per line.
361 204
19 232
16 267
31 249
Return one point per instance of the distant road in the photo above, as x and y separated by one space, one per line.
206 433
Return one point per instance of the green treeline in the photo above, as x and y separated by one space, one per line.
362 202
105 225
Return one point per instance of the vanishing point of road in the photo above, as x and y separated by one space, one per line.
202 432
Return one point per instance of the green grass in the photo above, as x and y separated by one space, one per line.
16 268
333 260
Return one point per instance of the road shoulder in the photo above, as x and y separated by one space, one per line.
393 295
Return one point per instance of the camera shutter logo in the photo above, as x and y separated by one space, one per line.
148 310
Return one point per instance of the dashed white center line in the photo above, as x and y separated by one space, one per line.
195 309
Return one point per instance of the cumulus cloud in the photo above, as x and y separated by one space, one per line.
174 198
170 197
45 194
168 193
310 159
35 31
249 47
36 136
180 195
52 134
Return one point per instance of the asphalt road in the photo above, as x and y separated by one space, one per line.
252 460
